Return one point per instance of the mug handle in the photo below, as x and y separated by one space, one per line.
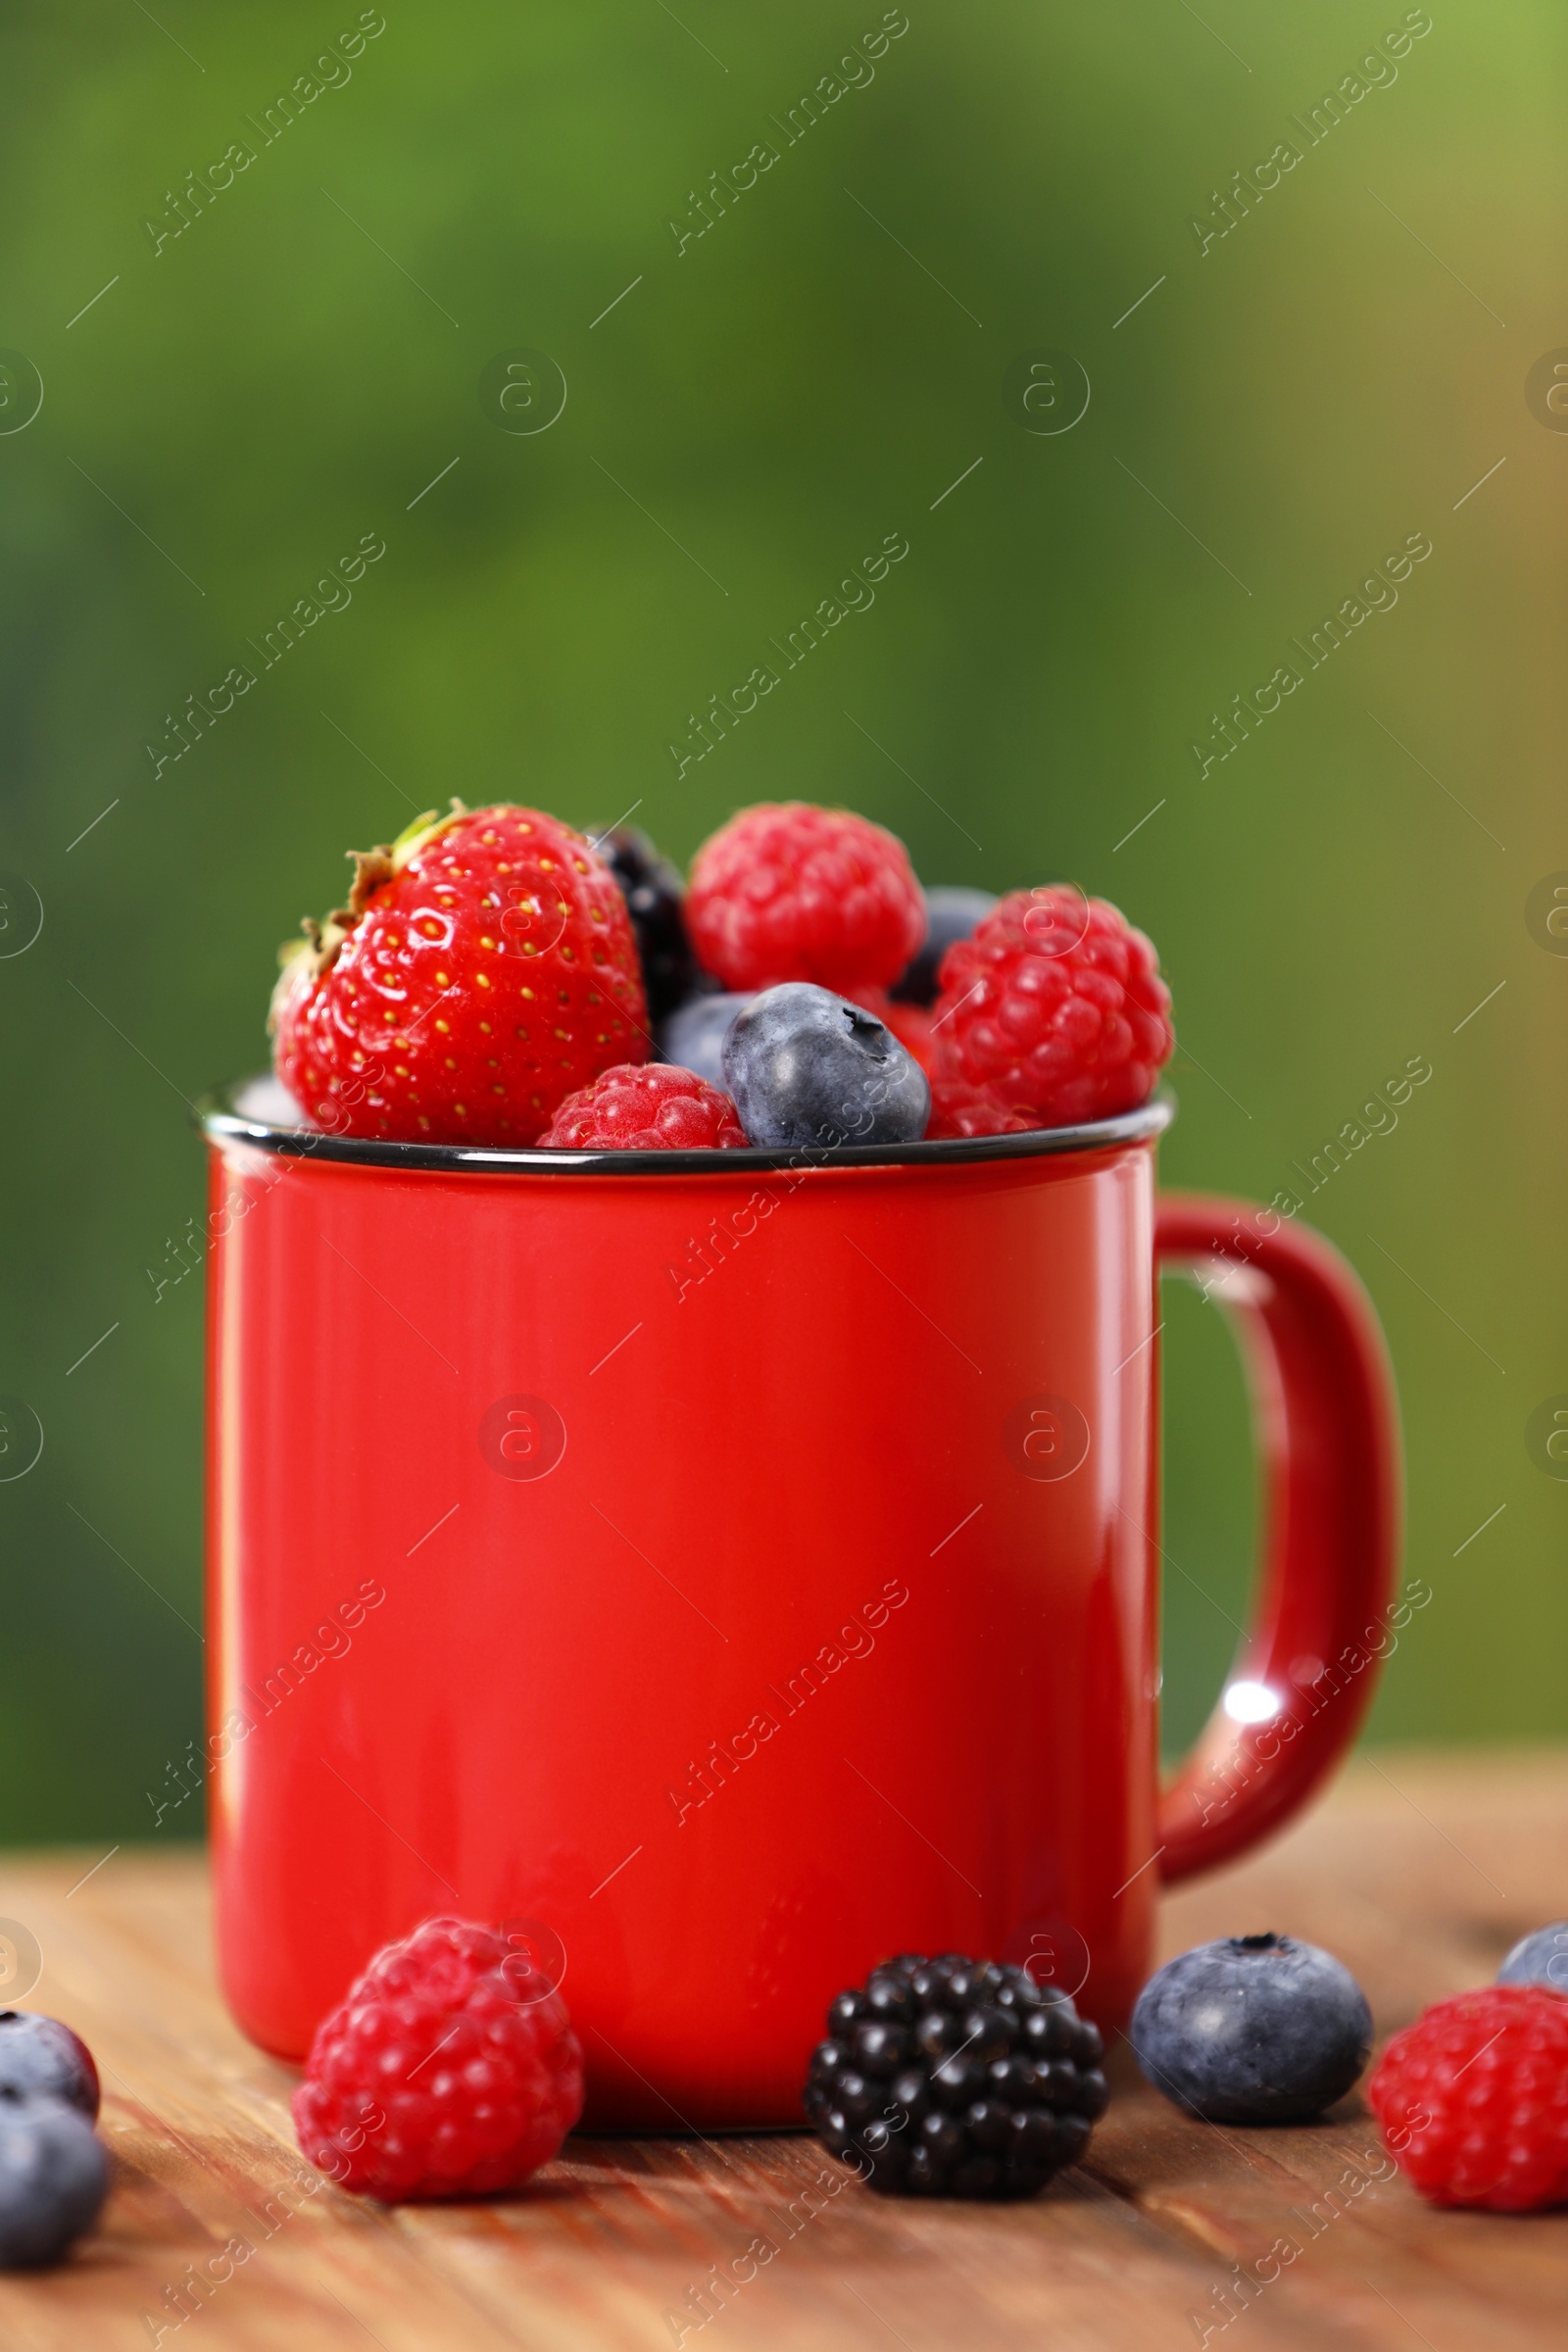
1326 1430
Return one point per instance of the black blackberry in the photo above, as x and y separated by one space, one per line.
653 893
955 2078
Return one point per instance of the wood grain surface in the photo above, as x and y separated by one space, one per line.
1418 1871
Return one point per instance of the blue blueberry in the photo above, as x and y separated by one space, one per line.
693 1036
803 1066
1538 1959
1254 2030
38 2055
53 2178
952 913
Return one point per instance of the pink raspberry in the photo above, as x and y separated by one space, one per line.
449 2069
1055 1007
1473 2099
957 1109
649 1107
786 891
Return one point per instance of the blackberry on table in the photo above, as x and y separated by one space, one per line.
955 2078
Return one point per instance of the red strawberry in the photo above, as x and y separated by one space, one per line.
483 969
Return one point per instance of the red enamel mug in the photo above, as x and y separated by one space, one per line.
732 1568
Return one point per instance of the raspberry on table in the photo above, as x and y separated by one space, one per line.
1473 2099
483 969
652 1106
1056 1006
786 891
449 2069
955 2078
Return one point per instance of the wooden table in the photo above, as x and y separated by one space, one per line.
1419 1871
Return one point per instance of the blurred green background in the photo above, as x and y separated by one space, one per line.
237 404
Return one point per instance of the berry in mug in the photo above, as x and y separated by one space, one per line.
493 962
960 1110
694 1034
654 893
484 968
807 1067
648 1106
792 892
1055 1007
951 914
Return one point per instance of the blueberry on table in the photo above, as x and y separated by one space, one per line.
38 2055
693 1035
955 2078
803 1066
1253 2030
1538 1959
53 2178
952 913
